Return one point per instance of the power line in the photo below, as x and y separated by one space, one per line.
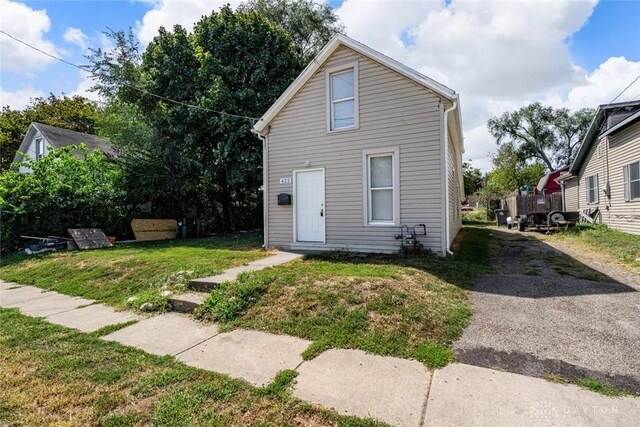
146 92
625 89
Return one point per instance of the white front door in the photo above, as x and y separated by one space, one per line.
308 201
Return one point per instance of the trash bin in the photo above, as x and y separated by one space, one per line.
501 216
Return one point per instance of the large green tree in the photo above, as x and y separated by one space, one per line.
310 23
510 172
208 87
541 133
73 113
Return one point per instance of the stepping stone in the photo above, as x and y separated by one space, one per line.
169 333
10 297
51 303
252 355
92 317
470 395
353 382
187 303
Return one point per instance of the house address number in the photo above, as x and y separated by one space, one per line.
285 180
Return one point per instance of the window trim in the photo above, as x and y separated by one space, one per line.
39 144
342 68
595 188
394 152
626 182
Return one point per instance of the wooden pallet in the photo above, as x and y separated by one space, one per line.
154 229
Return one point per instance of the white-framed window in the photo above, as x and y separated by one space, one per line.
39 148
591 186
381 189
342 97
631 178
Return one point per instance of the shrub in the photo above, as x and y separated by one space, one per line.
69 188
477 215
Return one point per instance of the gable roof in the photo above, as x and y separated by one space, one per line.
545 179
59 137
333 45
595 129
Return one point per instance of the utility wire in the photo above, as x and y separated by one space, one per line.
146 92
625 89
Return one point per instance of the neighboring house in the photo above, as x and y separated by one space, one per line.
357 146
606 171
548 183
40 139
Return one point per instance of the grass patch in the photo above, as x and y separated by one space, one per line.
280 384
142 270
590 384
567 266
413 306
595 385
112 328
533 271
624 247
50 375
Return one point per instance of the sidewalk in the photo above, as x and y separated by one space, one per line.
398 391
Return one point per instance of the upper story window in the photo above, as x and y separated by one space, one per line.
591 186
39 148
342 96
631 177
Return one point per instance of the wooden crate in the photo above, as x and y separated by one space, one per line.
154 229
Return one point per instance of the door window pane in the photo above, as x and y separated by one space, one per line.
382 205
381 172
342 86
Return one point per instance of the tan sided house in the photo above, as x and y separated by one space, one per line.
605 175
356 147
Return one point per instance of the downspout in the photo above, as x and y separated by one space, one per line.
265 185
446 167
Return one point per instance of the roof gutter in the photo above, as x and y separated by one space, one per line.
446 175
265 185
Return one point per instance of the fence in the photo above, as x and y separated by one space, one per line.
534 203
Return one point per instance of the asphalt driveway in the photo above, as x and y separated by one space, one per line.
544 313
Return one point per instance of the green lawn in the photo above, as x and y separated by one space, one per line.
137 269
624 247
50 375
413 306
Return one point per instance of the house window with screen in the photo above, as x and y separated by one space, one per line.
631 175
343 98
382 188
39 148
591 186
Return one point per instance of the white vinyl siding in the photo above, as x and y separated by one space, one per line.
591 186
381 182
342 97
631 179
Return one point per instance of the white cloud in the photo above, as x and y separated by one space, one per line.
603 85
30 26
168 13
498 55
84 86
18 99
77 37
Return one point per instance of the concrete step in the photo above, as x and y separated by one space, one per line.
206 284
187 303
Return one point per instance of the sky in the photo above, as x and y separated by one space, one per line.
498 55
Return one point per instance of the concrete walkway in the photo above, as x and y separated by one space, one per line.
400 392
189 301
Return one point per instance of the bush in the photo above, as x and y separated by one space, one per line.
69 188
477 215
